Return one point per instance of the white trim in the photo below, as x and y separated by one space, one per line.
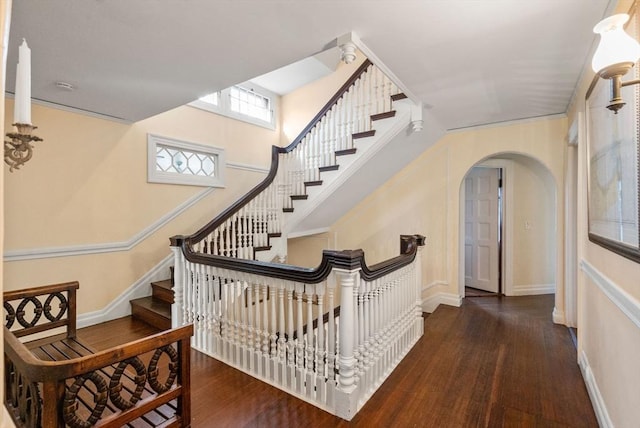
432 302
597 401
558 316
434 284
508 122
120 306
109 247
302 233
112 247
532 289
623 300
74 110
247 167
223 107
217 154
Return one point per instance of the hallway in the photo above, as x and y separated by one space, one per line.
494 362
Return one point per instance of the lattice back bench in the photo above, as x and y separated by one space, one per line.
58 381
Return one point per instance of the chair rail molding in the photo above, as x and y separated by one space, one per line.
623 300
112 247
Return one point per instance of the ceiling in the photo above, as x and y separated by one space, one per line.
471 62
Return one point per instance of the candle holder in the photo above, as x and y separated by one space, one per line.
18 149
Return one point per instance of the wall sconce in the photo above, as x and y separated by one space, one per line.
18 149
615 56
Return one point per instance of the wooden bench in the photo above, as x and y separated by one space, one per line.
57 381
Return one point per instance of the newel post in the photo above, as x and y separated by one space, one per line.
178 281
347 274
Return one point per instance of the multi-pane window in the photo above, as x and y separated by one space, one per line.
246 102
181 162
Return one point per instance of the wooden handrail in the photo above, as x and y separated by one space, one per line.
348 259
275 151
41 371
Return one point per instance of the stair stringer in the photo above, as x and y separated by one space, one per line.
367 148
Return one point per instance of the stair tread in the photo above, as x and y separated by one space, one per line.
397 97
274 234
287 210
328 168
152 311
345 152
153 305
313 183
385 115
165 283
299 197
363 134
263 248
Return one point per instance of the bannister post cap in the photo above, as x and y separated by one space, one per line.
421 240
345 259
177 240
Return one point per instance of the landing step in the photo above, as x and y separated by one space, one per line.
364 134
152 311
299 197
385 115
398 97
345 152
287 210
163 290
329 168
313 183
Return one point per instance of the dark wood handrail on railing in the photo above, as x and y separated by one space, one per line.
41 393
275 151
331 259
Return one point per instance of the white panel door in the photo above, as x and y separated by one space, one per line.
481 229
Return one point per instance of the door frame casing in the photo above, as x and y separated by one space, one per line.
506 247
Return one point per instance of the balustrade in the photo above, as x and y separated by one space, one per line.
280 323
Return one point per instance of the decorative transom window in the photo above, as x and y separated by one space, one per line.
246 102
181 162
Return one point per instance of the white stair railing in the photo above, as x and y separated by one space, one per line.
329 336
252 222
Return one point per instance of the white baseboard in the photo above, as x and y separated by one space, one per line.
532 289
432 302
558 316
120 307
594 393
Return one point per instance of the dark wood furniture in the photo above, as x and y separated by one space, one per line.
58 381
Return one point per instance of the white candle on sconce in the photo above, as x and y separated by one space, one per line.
22 102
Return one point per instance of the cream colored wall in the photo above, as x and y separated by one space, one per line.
608 338
424 198
307 251
300 106
86 184
533 250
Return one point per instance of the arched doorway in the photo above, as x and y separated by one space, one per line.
527 256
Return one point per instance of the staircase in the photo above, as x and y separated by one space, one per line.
363 116
155 309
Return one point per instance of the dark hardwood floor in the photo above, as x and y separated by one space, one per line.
494 362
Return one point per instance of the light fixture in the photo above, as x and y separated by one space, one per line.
615 56
18 149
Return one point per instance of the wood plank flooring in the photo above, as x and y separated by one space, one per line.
494 362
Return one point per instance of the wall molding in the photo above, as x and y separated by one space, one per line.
558 316
623 300
434 284
430 303
597 401
112 247
120 306
532 289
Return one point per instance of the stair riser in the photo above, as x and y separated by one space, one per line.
163 294
150 317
